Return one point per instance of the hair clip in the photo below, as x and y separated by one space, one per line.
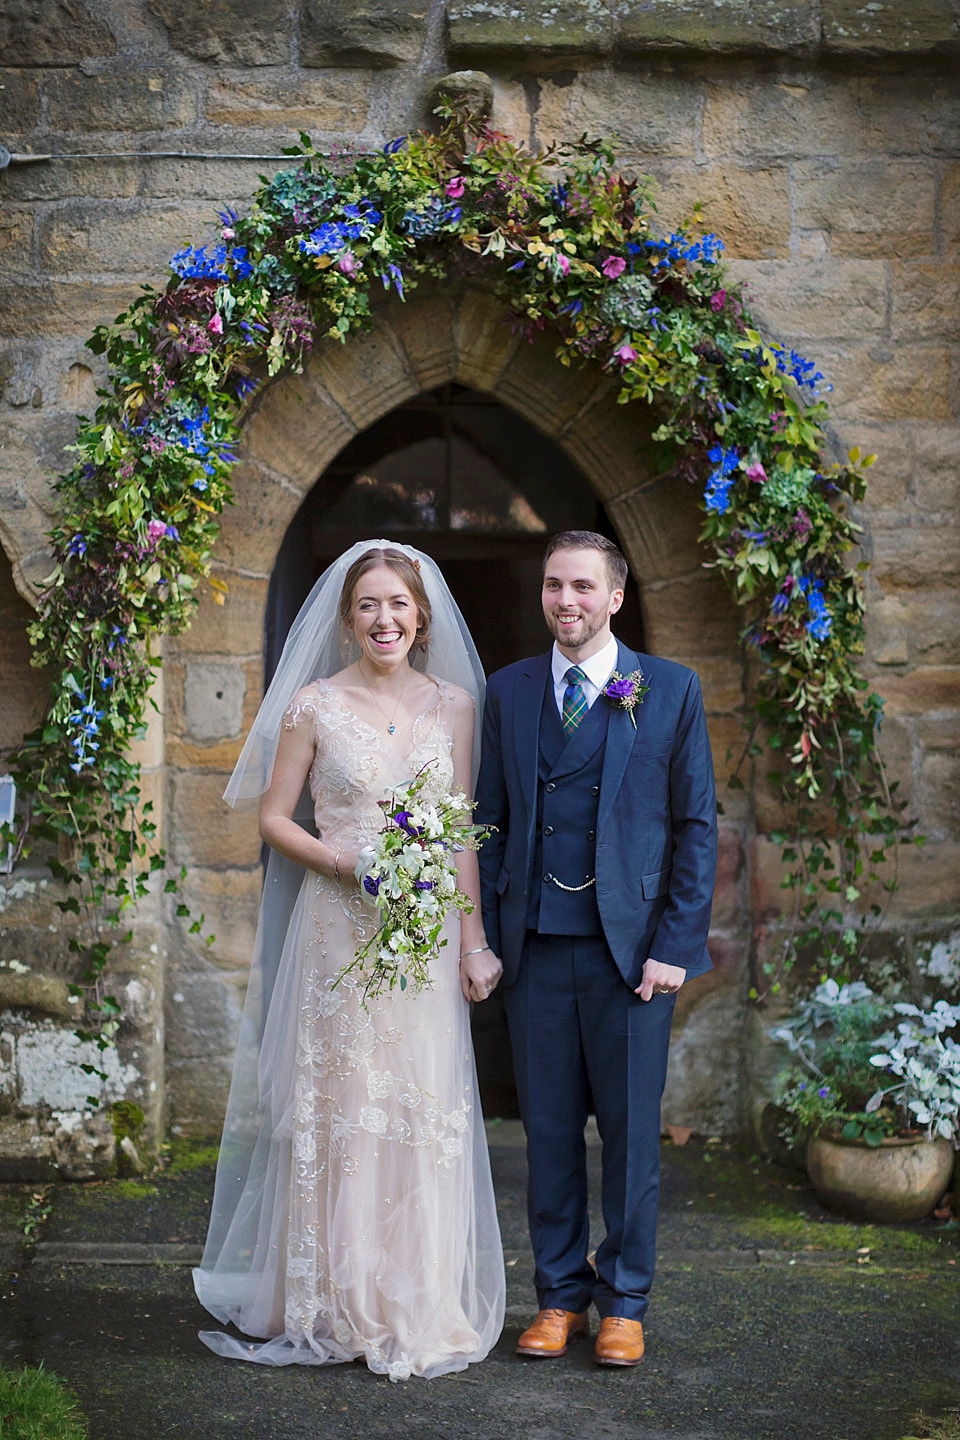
414 563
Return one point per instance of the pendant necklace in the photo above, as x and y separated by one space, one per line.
391 723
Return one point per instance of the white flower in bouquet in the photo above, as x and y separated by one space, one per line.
412 876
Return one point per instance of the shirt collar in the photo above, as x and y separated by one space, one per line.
598 668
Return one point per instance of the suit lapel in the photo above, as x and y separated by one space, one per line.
621 736
527 705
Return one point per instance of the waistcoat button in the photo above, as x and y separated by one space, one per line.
591 834
594 789
551 785
548 829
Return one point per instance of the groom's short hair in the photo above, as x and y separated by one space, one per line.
617 569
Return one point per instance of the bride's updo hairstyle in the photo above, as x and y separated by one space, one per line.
406 570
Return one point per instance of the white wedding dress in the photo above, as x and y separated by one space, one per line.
354 1215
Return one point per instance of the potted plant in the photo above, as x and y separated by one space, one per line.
874 1090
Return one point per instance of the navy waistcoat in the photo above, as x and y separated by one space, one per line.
568 798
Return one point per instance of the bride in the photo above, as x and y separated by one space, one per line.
353 1214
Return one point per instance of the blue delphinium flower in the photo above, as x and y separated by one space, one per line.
393 274
392 146
821 620
803 373
679 247
77 546
193 263
717 492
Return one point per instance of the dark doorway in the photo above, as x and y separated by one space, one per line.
479 490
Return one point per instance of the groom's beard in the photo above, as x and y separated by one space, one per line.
574 637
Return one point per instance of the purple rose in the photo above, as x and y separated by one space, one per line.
620 689
371 883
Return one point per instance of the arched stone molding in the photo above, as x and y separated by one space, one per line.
295 428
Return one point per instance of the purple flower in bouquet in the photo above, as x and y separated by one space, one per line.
371 883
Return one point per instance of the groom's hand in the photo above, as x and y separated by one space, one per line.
660 979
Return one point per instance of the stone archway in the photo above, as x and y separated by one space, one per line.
297 426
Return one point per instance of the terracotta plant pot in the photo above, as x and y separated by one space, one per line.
902 1179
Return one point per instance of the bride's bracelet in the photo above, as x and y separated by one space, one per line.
479 951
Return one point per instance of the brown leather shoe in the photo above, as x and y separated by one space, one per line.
619 1341
549 1333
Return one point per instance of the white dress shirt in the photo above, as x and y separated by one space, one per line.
596 671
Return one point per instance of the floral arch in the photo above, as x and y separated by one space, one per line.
733 425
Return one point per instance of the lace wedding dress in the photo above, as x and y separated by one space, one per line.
354 1215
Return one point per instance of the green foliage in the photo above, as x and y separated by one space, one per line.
35 1405
571 247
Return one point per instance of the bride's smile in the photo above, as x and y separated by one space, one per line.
384 617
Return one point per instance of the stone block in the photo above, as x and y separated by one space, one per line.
935 627
938 792
871 208
950 213
911 382
727 25
424 327
234 628
229 900
887 624
197 1095
913 112
203 1011
484 340
213 700
728 898
470 90
534 34
926 301
722 679
891 478
373 33
747 206
659 524
54 32
43 994
203 828
929 881
795 115
364 379
920 691
935 481
691 616
16 241
511 105
112 101
704 1077
816 299
291 434
551 396
646 114
907 556
895 744
888 27
60 309
329 104
65 179
770 900
187 754
219 181
228 32
128 239
20 90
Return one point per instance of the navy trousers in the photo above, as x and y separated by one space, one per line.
575 1023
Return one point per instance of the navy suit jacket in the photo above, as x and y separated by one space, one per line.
656 826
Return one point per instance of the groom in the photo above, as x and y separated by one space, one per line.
596 882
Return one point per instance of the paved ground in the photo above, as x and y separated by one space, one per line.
771 1320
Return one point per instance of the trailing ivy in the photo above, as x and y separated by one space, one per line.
571 247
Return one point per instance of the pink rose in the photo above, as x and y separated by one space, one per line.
756 472
215 324
455 188
156 530
613 266
227 233
626 354
563 264
348 263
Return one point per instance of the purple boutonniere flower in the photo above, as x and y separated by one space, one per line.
626 692
371 883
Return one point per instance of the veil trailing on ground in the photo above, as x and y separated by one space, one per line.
249 1198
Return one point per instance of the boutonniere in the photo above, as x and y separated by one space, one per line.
626 692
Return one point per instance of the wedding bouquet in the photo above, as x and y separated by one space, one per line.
411 874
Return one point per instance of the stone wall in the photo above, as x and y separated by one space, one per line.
822 138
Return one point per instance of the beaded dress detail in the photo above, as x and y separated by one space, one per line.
365 1226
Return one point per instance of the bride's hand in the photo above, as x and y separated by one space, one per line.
479 974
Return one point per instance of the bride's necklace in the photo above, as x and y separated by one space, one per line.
391 720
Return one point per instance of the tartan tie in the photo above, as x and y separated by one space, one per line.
574 700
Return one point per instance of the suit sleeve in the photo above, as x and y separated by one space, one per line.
681 935
492 811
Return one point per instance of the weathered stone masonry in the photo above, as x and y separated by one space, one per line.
823 139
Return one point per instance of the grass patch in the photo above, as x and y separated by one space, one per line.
186 1155
133 1189
831 1235
35 1405
947 1427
